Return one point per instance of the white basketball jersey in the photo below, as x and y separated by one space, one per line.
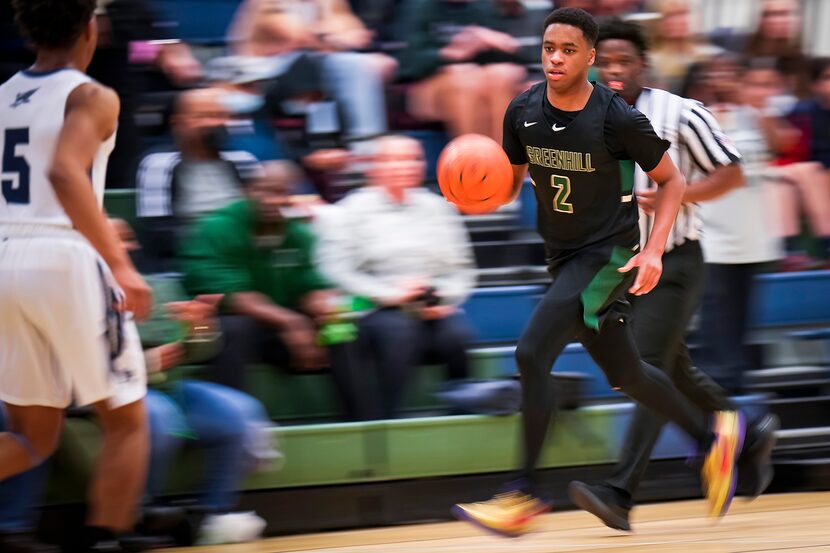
32 107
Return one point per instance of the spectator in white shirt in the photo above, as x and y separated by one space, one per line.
407 251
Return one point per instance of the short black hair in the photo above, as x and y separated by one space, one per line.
575 17
617 29
53 24
818 67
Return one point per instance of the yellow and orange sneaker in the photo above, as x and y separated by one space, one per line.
719 474
506 514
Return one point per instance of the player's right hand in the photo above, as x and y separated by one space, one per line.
138 296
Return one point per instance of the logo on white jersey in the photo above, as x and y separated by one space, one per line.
24 97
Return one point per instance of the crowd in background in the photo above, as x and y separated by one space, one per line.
226 145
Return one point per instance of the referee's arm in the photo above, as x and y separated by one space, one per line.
712 153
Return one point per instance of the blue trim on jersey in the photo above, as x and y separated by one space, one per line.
38 74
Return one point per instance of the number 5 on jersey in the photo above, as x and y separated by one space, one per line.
562 184
16 188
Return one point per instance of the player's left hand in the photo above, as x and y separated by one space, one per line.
650 267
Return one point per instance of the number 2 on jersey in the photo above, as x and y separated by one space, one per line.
14 164
562 184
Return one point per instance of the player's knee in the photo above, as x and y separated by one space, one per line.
39 445
528 357
626 376
123 422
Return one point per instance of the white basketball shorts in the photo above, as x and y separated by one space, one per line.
60 340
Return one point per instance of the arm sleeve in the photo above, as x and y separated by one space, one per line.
510 138
338 257
629 135
212 261
459 276
704 139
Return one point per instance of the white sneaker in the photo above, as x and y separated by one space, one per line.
231 528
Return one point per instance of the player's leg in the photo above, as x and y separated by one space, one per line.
719 436
552 326
32 436
119 476
659 325
31 386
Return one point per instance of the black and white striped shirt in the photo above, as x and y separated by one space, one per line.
155 175
698 145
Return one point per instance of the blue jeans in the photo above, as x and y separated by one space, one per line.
20 495
218 418
358 88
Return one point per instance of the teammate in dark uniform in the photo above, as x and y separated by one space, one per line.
579 141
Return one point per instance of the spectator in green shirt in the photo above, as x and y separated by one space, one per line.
260 257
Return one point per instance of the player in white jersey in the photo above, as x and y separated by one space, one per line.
711 165
67 288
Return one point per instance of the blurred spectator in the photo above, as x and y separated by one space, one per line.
132 36
260 257
676 46
228 425
804 184
176 187
405 249
463 71
737 241
284 29
777 36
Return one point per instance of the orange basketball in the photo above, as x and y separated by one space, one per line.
475 174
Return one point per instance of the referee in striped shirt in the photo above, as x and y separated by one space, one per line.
698 147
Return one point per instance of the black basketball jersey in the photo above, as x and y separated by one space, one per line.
581 169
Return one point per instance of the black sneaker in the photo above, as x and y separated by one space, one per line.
755 465
23 542
602 501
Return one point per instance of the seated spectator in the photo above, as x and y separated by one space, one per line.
229 426
176 187
737 241
804 184
328 33
463 71
260 258
676 46
407 251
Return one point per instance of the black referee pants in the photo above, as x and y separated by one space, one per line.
659 323
583 303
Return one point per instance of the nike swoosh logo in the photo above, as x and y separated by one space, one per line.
530 124
557 129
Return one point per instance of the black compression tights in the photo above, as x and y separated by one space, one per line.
554 324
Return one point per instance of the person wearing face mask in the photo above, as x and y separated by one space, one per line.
405 249
204 174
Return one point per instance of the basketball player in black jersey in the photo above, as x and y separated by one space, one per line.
579 140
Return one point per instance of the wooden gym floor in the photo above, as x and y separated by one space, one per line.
787 522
